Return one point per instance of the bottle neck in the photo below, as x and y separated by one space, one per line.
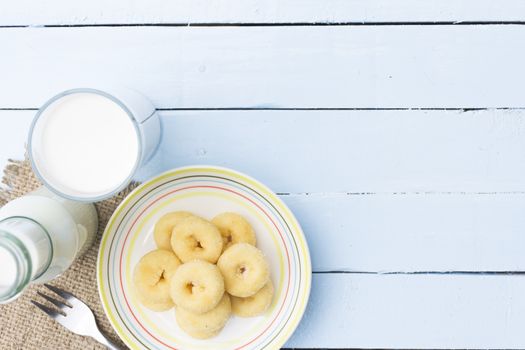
25 254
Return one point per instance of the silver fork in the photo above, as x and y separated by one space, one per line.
74 315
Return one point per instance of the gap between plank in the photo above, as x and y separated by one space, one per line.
461 109
277 24
401 193
505 273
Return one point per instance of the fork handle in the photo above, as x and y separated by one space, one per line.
102 339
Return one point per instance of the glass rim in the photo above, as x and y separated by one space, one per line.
51 247
99 197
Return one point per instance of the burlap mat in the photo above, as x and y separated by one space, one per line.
23 326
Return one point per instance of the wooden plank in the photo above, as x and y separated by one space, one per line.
24 12
341 152
385 233
283 67
414 312
13 134
365 231
356 151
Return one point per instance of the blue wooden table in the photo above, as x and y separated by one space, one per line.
394 129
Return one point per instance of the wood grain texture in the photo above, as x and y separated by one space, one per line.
359 230
27 12
413 312
272 67
355 151
406 233
13 134
378 191
339 152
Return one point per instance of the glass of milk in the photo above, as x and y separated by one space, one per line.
87 144
41 234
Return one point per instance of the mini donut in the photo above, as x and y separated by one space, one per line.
151 279
202 335
164 227
254 305
244 268
196 238
208 324
159 307
197 286
234 229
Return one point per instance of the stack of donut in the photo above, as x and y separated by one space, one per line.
206 270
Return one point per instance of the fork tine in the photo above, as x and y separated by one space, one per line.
52 313
53 301
60 292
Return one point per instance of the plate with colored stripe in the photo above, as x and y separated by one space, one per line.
205 191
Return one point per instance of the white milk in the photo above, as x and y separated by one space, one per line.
9 269
51 230
85 145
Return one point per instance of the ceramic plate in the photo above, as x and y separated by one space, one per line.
205 191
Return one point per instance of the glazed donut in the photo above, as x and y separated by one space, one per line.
254 305
151 279
164 227
197 286
234 229
205 325
244 268
196 238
